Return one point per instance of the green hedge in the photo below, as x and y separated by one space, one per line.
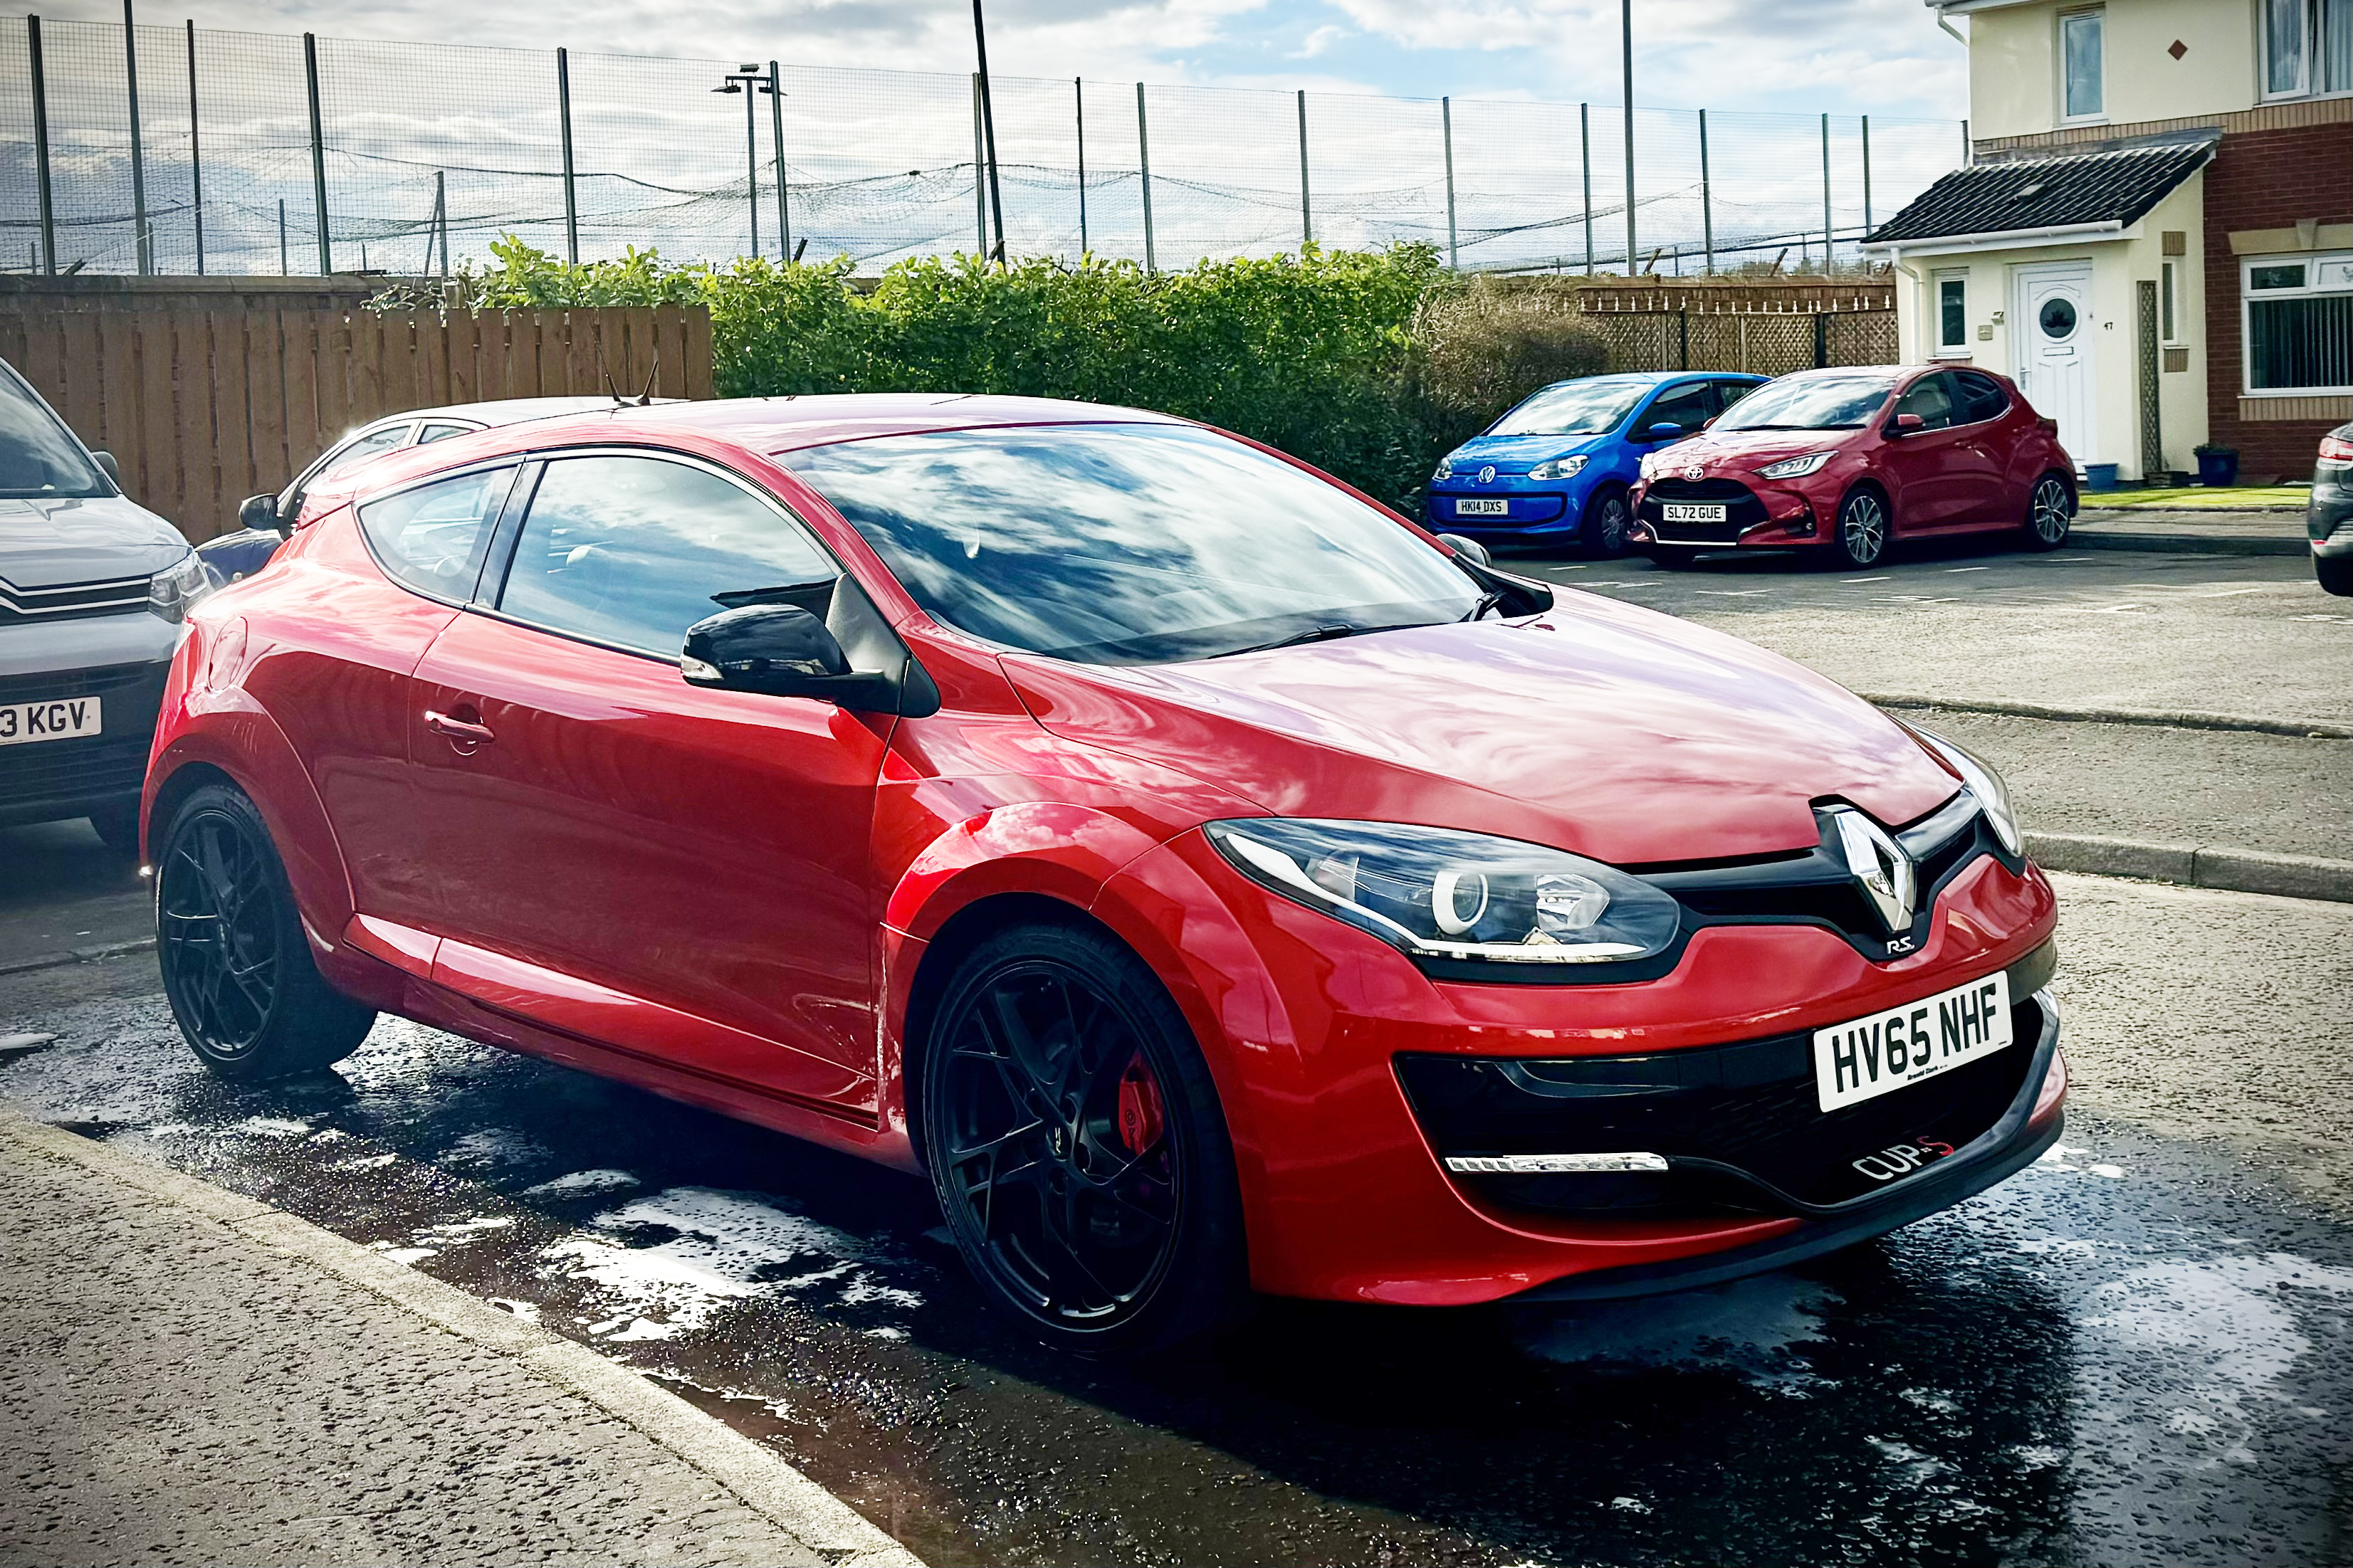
1315 354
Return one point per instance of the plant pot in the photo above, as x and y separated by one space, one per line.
2218 468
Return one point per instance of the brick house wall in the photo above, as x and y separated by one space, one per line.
2264 179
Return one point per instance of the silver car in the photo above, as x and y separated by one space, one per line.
93 588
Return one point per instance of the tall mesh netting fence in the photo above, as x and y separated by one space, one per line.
419 148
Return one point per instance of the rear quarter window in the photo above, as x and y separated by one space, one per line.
430 537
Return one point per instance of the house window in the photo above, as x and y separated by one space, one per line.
2308 48
2082 92
2300 323
2168 330
1952 313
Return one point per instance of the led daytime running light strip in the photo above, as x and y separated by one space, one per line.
1549 1164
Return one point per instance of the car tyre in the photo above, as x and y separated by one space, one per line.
1671 557
118 828
1859 537
1602 533
2335 573
1077 1147
2050 512
238 969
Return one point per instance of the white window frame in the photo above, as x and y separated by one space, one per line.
2099 12
2310 11
2310 259
2169 303
1939 349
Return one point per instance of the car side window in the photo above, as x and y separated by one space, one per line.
1731 392
629 551
433 433
1690 406
366 445
430 537
1931 397
1981 397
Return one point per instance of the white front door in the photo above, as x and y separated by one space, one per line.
2051 326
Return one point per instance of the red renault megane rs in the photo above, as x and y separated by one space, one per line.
1208 881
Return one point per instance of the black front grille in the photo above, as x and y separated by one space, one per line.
1742 510
115 596
72 770
1746 1114
51 686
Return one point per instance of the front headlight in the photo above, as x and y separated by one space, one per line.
1984 783
1796 467
1558 468
1436 893
180 586
1445 469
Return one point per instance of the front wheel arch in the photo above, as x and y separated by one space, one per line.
1877 492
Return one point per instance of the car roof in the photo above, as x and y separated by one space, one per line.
504 410
773 425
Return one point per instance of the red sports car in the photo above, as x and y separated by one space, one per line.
1209 879
1843 461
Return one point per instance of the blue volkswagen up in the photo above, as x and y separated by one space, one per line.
1556 468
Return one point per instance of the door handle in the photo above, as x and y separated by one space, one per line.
463 731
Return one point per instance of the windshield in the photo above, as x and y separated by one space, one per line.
1129 543
1813 403
1574 408
40 457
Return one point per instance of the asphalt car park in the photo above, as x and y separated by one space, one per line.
2120 1354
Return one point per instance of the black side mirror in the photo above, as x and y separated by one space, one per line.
1469 547
1666 430
782 650
105 460
259 512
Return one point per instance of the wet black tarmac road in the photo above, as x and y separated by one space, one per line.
2135 1351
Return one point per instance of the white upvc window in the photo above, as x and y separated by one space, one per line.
2308 48
2083 66
2296 314
1948 314
2170 307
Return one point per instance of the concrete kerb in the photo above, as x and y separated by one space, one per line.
2104 538
841 1536
2196 865
2173 719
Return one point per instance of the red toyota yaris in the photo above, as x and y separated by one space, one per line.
1209 879
1841 462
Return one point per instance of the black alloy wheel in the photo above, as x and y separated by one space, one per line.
1860 538
1073 1140
237 968
2048 513
1603 532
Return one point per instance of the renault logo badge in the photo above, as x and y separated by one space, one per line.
1881 869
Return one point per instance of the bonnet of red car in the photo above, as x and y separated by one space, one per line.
1600 728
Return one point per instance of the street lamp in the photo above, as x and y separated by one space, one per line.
750 81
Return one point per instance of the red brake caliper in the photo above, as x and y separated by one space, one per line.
1141 1118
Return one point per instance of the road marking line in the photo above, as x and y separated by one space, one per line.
1968 569
2227 593
1866 579
1728 593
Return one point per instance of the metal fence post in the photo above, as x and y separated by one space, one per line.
41 145
318 155
1585 167
1144 160
1626 24
1079 97
776 128
285 263
1706 198
1829 227
1866 177
563 122
196 153
1446 123
979 178
1306 219
143 243
1968 148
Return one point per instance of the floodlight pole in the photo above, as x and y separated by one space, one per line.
1625 32
750 81
989 131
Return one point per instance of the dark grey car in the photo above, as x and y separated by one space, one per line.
93 591
2328 518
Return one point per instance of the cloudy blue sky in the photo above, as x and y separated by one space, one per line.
1845 57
